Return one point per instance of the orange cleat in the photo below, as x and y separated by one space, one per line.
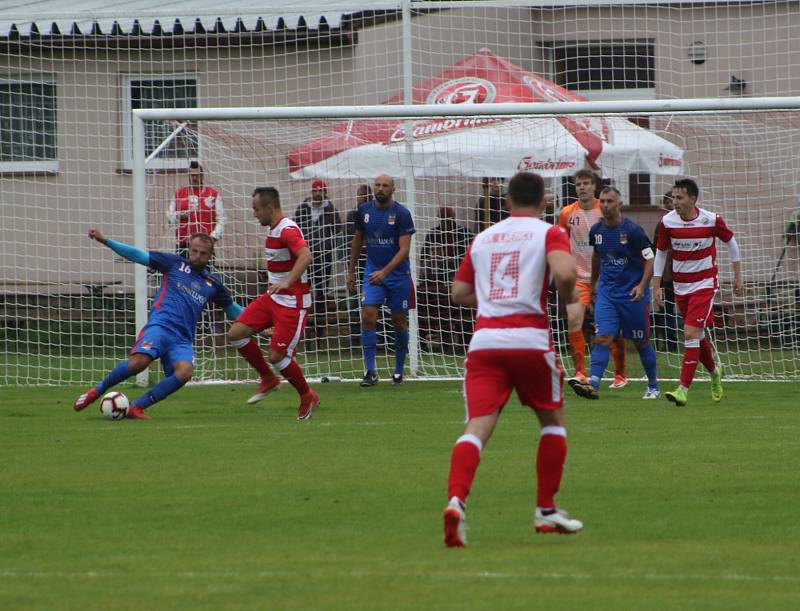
137 413
85 400
264 388
620 381
580 376
309 402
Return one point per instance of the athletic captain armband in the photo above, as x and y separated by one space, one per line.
648 253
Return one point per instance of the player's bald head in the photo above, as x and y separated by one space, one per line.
385 178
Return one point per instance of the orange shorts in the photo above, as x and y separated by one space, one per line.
289 323
585 293
491 376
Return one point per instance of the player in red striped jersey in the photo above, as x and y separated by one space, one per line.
690 233
506 274
285 305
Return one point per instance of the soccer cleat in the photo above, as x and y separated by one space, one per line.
716 385
620 381
587 391
137 413
309 402
556 522
652 393
397 379
677 396
264 388
581 377
370 379
86 399
455 523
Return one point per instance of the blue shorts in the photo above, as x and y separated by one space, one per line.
160 343
631 317
397 290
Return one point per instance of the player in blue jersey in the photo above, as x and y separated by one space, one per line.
622 265
386 226
186 288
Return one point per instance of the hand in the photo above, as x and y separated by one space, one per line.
377 277
351 282
637 293
660 297
96 234
278 287
738 286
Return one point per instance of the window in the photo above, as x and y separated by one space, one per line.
28 134
604 65
161 91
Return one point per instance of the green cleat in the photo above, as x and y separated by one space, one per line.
716 385
677 396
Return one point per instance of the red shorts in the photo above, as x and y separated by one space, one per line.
492 375
697 308
289 323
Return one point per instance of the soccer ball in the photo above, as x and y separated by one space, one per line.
114 406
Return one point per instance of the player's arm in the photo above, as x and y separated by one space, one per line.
562 264
131 253
355 251
463 290
726 235
300 265
646 250
404 247
660 262
174 216
219 228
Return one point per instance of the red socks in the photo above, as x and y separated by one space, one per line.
706 356
578 345
463 464
691 356
251 353
294 375
550 465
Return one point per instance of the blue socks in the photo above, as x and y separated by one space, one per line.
117 375
648 357
160 391
400 351
600 356
369 344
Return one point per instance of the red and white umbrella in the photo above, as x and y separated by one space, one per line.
486 146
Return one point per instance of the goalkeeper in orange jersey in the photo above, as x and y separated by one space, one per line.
577 219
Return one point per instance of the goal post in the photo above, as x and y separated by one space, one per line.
739 150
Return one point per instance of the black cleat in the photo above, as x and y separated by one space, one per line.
370 379
587 391
397 379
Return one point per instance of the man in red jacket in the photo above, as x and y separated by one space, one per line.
196 208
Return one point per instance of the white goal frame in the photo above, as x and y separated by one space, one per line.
408 112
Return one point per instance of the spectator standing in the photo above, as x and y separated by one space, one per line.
320 223
363 195
492 206
196 208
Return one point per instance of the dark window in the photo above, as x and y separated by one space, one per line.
28 122
166 93
604 65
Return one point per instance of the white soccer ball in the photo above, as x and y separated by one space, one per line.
114 406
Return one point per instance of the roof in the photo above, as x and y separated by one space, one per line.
75 17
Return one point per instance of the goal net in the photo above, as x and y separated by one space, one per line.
451 175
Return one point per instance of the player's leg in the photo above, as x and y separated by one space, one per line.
607 324
123 370
539 381
374 298
577 343
256 317
618 355
289 326
636 327
401 299
487 386
178 365
697 310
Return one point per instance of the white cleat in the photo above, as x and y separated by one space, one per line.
652 393
455 523
264 388
558 522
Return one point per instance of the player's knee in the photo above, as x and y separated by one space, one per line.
184 371
604 340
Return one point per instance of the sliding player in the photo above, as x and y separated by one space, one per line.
577 219
187 287
690 233
284 306
622 265
506 275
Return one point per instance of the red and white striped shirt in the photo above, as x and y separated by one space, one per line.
284 240
694 250
507 265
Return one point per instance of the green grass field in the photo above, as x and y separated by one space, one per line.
218 505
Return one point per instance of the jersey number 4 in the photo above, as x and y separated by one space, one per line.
504 276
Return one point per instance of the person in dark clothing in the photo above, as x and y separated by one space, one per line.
492 204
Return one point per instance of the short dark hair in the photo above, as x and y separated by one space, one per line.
365 186
203 237
195 165
526 189
611 189
586 174
268 193
688 185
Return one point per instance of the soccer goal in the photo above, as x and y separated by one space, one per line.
449 162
